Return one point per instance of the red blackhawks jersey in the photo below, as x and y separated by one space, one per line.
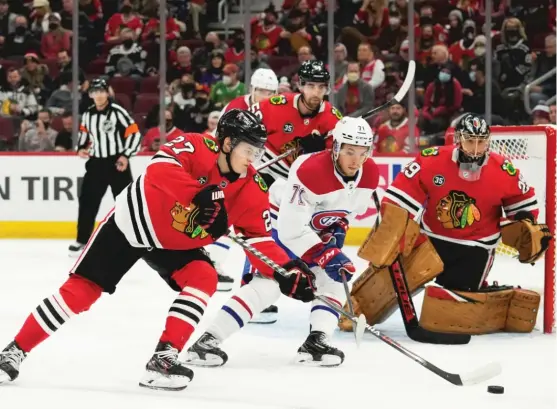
241 102
457 210
156 211
284 122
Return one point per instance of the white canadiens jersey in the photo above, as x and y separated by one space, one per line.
315 196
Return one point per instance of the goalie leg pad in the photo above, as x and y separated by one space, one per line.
476 313
396 234
373 294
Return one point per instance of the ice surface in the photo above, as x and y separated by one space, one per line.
96 360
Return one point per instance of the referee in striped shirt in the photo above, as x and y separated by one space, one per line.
108 137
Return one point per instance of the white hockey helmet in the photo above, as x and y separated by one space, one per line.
352 131
264 78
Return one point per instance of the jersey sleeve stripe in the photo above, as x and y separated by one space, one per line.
526 208
402 202
520 204
411 201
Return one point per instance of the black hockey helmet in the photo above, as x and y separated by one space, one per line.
313 71
241 126
98 84
472 126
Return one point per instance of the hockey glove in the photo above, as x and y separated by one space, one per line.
212 214
336 233
299 283
313 142
331 259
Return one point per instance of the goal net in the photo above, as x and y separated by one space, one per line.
532 149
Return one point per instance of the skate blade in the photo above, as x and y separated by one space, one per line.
4 377
155 380
327 361
264 318
210 361
224 287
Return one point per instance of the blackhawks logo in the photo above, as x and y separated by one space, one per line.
508 167
430 151
211 144
277 100
457 210
184 221
336 113
261 183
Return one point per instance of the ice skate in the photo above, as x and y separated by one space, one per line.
75 249
225 282
165 372
10 360
316 351
267 316
206 352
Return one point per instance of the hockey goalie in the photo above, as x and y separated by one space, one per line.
442 219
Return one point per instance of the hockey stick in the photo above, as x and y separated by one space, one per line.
397 99
358 330
406 305
480 375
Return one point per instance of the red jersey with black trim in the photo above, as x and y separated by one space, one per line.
461 55
241 102
391 139
458 210
284 122
156 211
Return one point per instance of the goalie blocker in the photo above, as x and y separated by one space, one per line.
456 307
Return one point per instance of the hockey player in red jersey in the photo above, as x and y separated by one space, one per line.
323 192
297 120
263 84
193 189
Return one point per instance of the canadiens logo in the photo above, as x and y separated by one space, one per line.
321 220
184 221
508 167
457 210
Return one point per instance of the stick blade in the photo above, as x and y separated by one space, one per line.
359 329
408 80
483 374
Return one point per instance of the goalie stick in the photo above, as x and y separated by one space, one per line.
397 99
406 305
479 375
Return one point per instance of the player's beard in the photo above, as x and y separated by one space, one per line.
312 103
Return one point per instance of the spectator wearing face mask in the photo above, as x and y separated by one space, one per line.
454 31
213 72
229 88
126 59
21 41
266 33
37 136
56 39
152 140
513 54
392 36
541 115
442 99
236 53
124 19
196 118
462 51
438 32
474 101
355 97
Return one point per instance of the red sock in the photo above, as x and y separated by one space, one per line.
76 295
199 282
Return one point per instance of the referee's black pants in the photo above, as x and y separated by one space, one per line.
99 175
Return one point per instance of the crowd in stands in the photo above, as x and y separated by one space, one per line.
205 70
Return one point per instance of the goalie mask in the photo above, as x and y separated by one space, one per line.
472 136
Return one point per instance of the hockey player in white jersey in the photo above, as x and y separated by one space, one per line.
263 84
310 218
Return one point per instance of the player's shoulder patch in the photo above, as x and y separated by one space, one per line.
278 100
336 113
433 151
261 182
508 167
211 144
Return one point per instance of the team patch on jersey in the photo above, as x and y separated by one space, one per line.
184 220
336 113
277 100
261 183
288 128
457 210
322 220
202 180
508 167
431 151
438 180
211 144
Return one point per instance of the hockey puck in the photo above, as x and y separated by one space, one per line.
496 389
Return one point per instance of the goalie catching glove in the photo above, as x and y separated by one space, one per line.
530 239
